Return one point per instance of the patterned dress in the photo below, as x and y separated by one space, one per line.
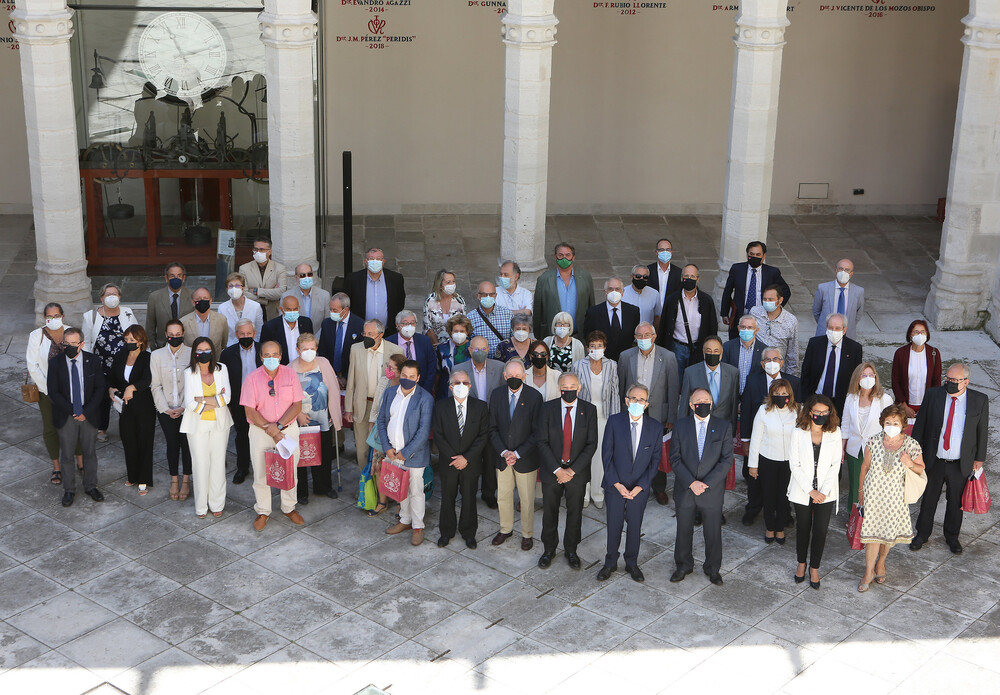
109 341
887 516
561 358
436 318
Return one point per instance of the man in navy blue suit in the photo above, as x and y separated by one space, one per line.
631 454
338 333
745 284
416 346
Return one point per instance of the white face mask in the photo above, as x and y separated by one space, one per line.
892 430
520 336
449 289
235 292
54 324
459 337
772 368
112 301
614 296
260 256
918 339
834 336
596 354
407 331
308 355
461 391
562 331
843 277
867 382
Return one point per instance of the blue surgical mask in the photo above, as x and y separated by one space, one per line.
504 282
306 283
770 306
487 302
644 343
291 316
635 409
271 363
374 266
664 256
746 335
334 316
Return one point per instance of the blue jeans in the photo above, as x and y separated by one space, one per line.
683 354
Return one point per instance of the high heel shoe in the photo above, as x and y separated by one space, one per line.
798 579
814 584
769 539
780 539
173 488
185 488
880 579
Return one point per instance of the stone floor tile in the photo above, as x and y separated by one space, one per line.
34 536
78 562
19 464
578 630
747 601
467 637
18 647
904 568
294 612
773 567
567 583
632 604
179 615
182 514
11 510
21 588
658 571
126 588
351 582
695 627
239 585
139 534
61 618
292 669
233 644
51 672
643 659
460 580
236 533
959 591
507 558
7 562
839 593
828 670
408 609
944 673
171 672
88 516
918 620
527 666
881 653
188 559
979 644
351 641
520 607
113 648
296 556
409 670
595 679
397 555
809 625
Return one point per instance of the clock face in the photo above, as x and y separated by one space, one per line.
182 53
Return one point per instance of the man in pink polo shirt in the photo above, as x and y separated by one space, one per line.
272 397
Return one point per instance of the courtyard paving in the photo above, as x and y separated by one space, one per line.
136 595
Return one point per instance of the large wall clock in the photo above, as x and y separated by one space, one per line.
182 53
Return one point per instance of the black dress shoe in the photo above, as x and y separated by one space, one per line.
748 519
303 499
442 541
490 502
678 575
67 499
239 477
95 494
574 560
545 560
635 573
605 573
781 539
798 579
916 544
661 497
470 543
769 539
332 494
955 546
715 578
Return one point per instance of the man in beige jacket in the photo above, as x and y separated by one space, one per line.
205 322
368 360
267 279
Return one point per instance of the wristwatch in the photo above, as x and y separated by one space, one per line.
281 428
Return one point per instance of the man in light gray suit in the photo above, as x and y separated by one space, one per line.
656 368
840 297
314 301
484 376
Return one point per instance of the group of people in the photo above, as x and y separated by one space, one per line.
550 388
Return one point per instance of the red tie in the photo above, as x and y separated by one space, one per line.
567 434
947 428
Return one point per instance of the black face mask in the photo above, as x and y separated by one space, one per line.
368 342
538 361
202 305
131 347
71 351
175 340
245 343
702 409
951 387
514 383
779 401
203 357
640 283
569 396
754 261
688 284
713 360
820 419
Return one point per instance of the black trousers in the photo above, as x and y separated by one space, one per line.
949 476
488 474
104 414
138 425
552 494
812 521
755 499
177 444
772 481
710 506
659 482
627 514
320 474
242 428
453 481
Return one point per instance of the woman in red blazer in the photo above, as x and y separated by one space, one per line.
916 367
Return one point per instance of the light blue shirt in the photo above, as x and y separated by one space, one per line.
567 294
376 299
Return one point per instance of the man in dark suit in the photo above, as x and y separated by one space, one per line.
631 455
166 303
76 388
616 319
757 387
461 427
241 358
683 331
286 329
952 428
375 291
830 362
514 412
564 288
338 335
746 280
485 375
567 437
744 351
416 346
701 452
664 276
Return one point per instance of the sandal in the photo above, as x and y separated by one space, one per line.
201 516
880 579
185 488
379 508
56 478
129 483
142 490
863 587
216 513
173 488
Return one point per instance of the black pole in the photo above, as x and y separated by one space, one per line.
348 216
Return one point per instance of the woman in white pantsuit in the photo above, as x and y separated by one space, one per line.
206 424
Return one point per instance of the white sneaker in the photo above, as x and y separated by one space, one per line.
586 502
599 504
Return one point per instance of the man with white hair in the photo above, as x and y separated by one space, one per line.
368 360
314 301
490 320
614 318
641 295
829 363
416 346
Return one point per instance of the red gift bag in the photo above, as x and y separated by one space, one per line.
280 471
665 457
731 477
854 528
394 481
976 496
310 450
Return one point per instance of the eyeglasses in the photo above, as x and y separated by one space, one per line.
270 384
260 249
305 275
820 414
952 380
640 401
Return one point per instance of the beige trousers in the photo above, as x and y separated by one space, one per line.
259 443
525 482
361 429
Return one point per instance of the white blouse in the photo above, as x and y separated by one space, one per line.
772 433
917 373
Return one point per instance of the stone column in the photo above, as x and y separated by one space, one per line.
760 37
43 28
288 29
970 240
529 30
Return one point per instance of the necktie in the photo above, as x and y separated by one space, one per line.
409 352
713 385
338 348
461 419
174 306
751 292
635 438
567 434
74 375
947 428
616 324
831 367
513 404
701 438
841 304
